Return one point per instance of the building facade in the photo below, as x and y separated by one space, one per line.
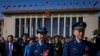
57 21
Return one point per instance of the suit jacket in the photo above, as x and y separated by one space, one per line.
27 51
22 47
38 50
73 48
15 51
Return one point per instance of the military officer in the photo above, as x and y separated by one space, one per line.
41 48
78 46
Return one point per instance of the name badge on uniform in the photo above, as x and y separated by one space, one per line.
74 50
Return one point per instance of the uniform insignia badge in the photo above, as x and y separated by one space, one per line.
86 48
74 49
36 51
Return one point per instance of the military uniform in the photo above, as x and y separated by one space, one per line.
77 46
38 50
73 48
41 48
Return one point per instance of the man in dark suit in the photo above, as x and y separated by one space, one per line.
41 48
78 46
22 43
11 48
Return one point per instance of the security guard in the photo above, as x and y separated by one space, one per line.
41 48
78 46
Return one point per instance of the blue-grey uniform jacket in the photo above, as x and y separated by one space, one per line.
37 49
73 48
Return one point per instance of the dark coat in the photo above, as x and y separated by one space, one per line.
22 46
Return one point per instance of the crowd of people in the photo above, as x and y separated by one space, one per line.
43 45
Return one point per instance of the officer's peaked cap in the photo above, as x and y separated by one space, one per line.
79 25
42 30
